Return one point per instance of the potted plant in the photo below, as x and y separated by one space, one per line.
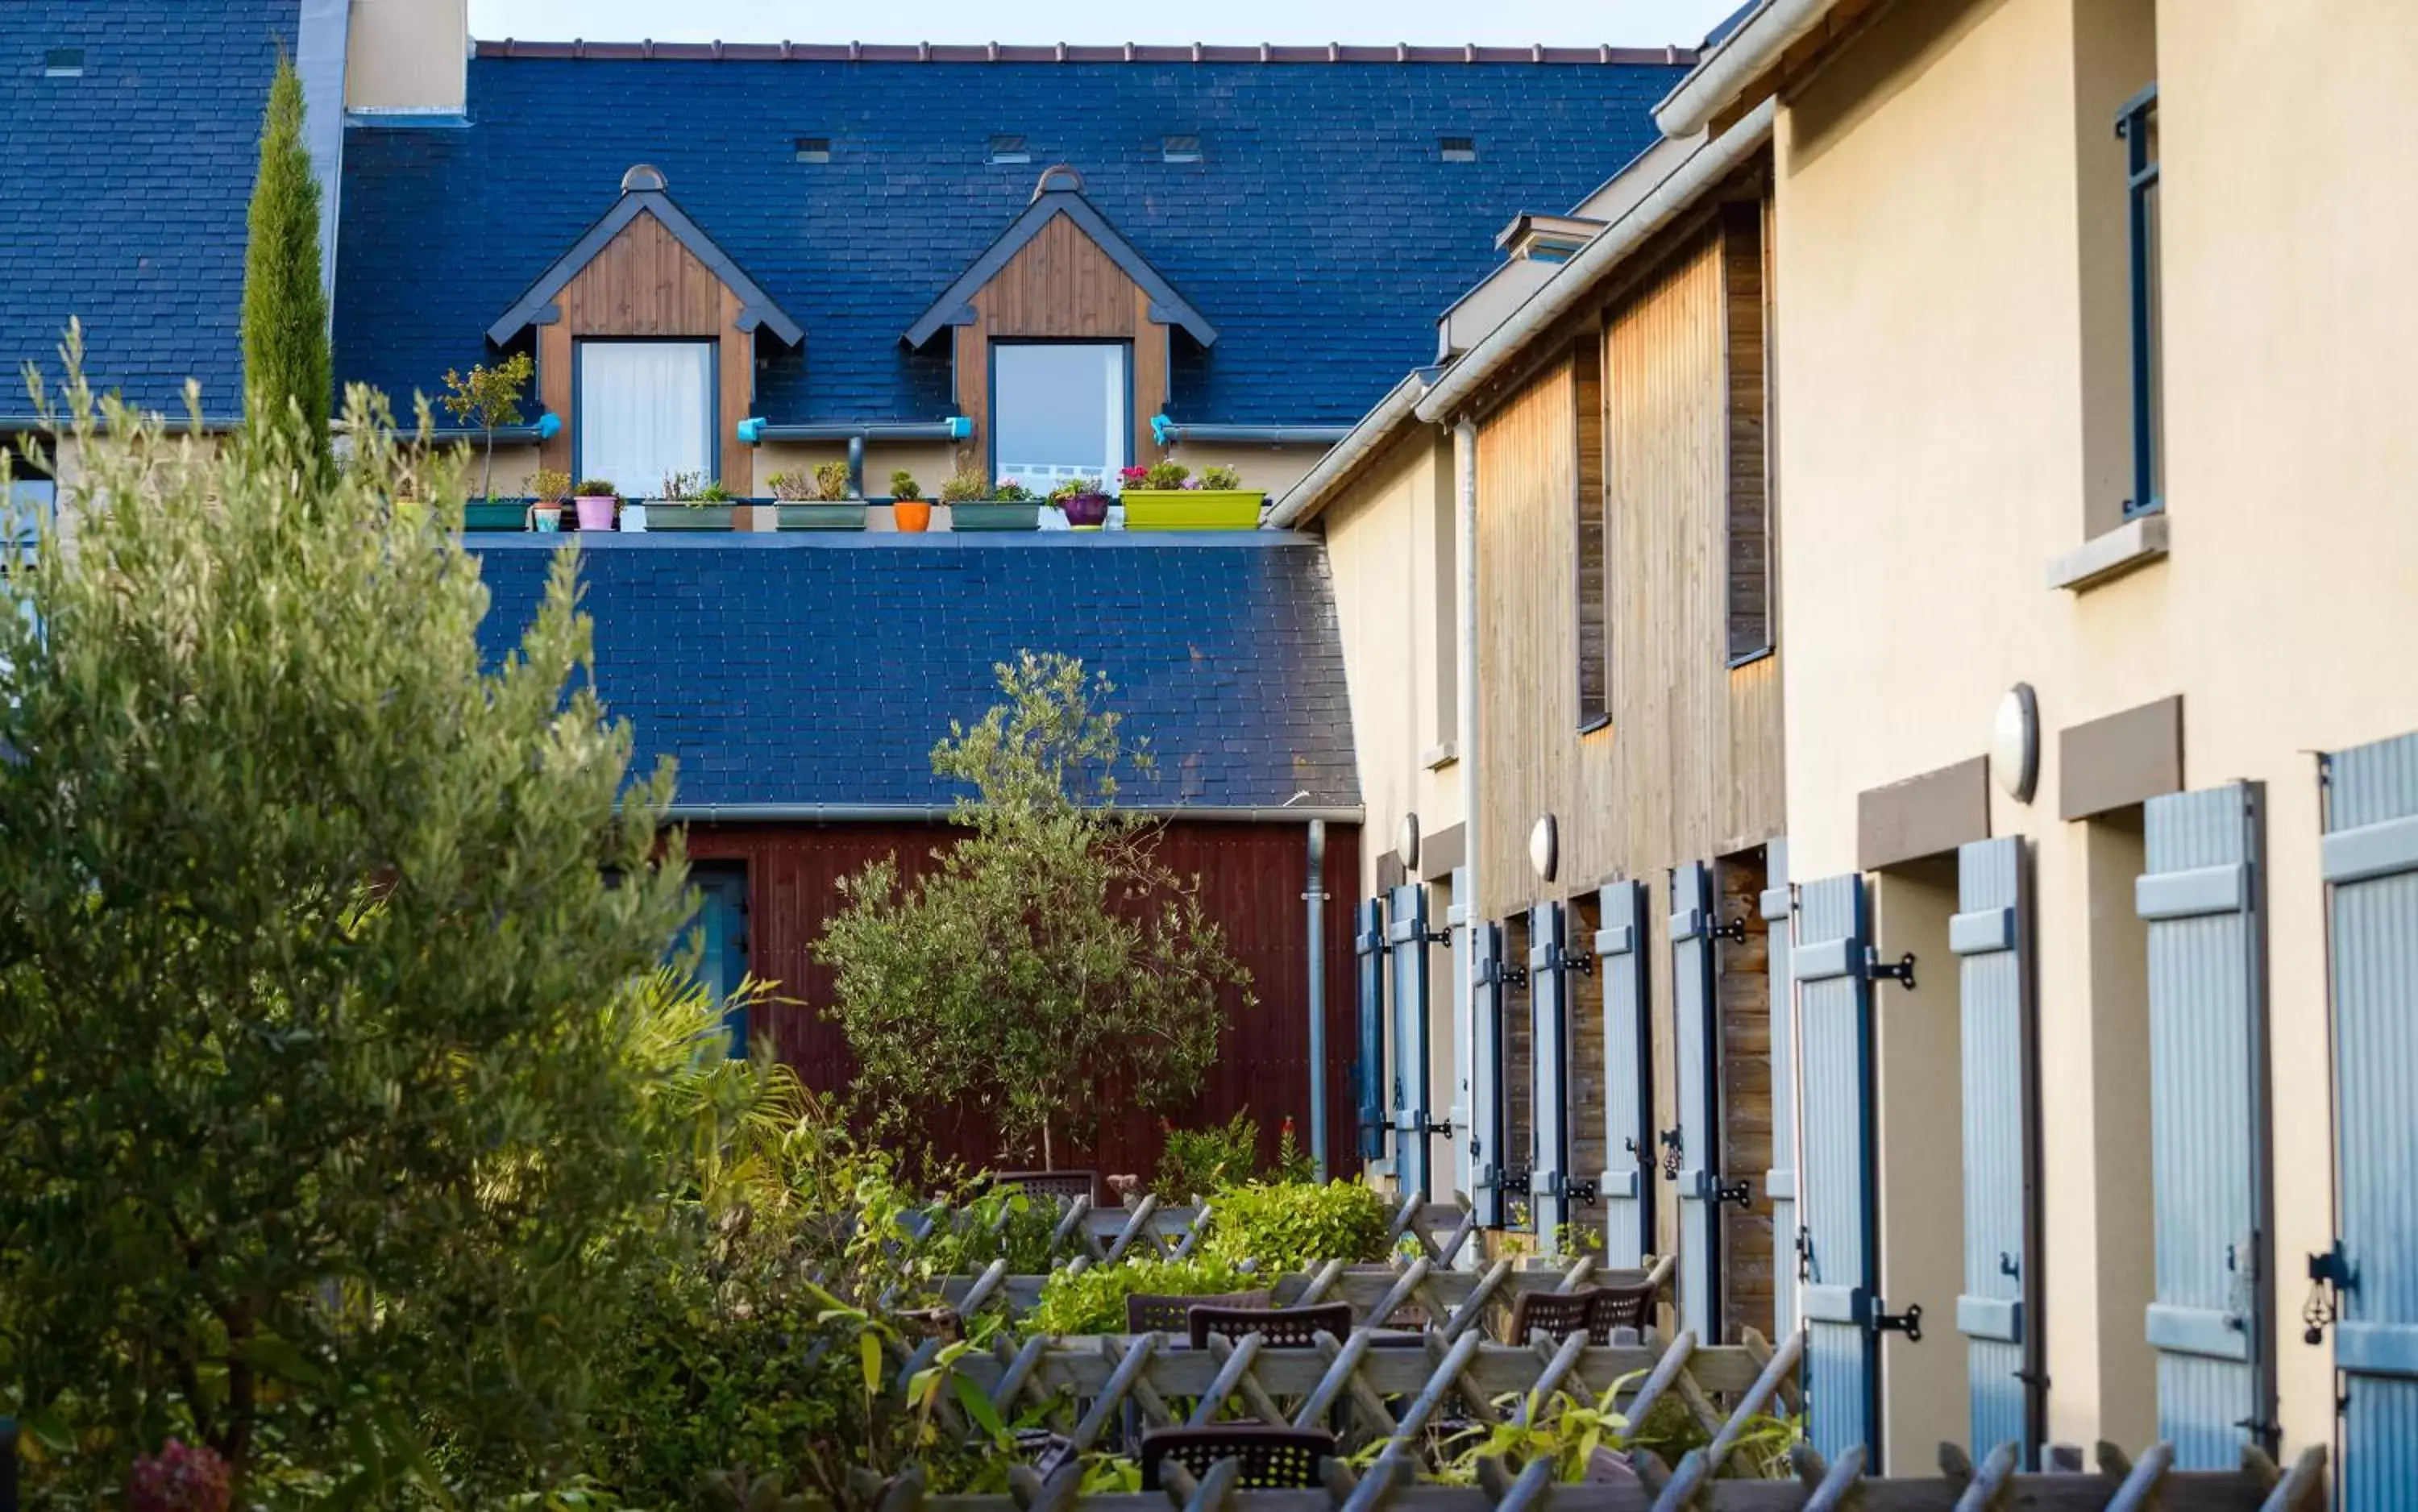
514 514
977 503
594 499
1166 498
1083 503
908 506
690 503
818 501
486 399
543 515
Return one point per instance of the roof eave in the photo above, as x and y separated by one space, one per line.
1375 430
1725 70
536 305
954 306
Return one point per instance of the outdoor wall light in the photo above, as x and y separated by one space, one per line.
1545 848
2015 744
1406 841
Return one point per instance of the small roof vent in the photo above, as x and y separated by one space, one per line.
645 178
1009 147
63 63
1059 178
1457 148
1180 146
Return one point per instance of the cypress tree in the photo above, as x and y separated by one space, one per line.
285 358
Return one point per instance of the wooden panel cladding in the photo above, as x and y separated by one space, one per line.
644 283
1060 286
554 393
1749 499
735 376
1591 538
1742 993
1250 880
1690 768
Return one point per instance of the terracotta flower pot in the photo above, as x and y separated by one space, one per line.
595 511
912 513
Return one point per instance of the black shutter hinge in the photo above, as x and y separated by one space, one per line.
1736 1193
1733 931
1675 1144
2329 1277
1909 1322
1900 972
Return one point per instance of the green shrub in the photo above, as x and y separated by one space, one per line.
1297 1226
1094 1300
287 366
1196 1162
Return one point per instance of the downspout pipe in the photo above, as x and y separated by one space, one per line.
1167 432
1743 56
1465 545
1314 898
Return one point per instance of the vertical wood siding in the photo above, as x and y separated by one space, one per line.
1250 876
1742 987
1749 562
1591 541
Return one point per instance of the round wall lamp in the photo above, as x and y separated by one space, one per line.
2015 744
1406 841
1545 848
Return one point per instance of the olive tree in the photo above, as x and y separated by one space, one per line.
318 938
1049 966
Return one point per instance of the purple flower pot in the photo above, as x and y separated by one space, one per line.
1086 511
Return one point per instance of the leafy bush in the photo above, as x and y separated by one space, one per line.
1293 1226
965 486
904 488
1165 475
549 485
1093 1300
791 488
593 488
831 482
1194 1163
1225 479
1068 488
711 493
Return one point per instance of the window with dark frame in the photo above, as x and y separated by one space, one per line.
1591 536
1009 147
2137 124
63 63
1748 385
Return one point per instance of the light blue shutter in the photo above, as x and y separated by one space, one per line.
1549 1061
1989 938
1408 938
1484 1136
1626 1185
1464 1038
2212 1323
1780 1181
1840 1237
1696 1033
2371 861
721 926
1368 944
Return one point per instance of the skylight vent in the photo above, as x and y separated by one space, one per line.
813 149
63 63
1009 148
1457 148
1181 147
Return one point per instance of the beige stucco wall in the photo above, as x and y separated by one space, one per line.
1944 351
1270 469
407 55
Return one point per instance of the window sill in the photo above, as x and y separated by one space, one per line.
1600 722
2111 555
1437 758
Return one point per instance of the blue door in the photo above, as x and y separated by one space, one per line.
2211 1324
1626 1187
1549 1080
1484 1137
1839 1237
721 923
1989 936
1778 906
2371 865
1407 938
1368 1064
1695 1145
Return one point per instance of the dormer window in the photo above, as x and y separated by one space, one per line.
1060 410
1546 238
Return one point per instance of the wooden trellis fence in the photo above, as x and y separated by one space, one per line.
1441 1229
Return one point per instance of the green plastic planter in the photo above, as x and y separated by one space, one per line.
1191 509
677 516
822 517
994 516
499 514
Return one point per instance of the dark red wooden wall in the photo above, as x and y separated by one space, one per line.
1251 878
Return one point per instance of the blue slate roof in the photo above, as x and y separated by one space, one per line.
805 669
1320 236
128 187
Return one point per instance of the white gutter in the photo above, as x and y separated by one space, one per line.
1743 56
1304 500
1579 277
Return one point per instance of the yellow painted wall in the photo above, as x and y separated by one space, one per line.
1944 357
1270 469
407 55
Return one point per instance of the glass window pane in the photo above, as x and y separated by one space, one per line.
645 412
2154 370
1058 410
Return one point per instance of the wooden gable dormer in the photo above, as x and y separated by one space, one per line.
1061 273
646 271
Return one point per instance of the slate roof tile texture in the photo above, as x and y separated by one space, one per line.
1320 233
129 189
821 670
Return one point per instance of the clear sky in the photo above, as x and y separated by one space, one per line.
1626 22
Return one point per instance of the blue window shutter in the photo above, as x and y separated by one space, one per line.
2370 858
1697 1036
1548 1085
2212 1323
1840 1236
1368 945
1778 908
720 928
1464 1038
1407 937
1483 1139
1989 938
1627 1182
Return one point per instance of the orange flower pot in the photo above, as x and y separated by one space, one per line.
912 513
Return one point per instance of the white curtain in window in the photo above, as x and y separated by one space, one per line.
1058 411
645 413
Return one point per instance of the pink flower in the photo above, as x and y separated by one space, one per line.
179 1479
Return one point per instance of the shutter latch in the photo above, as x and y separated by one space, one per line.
2329 1277
1733 931
1900 972
1909 1322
